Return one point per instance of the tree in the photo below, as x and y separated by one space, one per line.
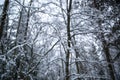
4 16
60 40
3 32
69 8
98 5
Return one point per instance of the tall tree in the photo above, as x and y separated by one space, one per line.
105 46
69 8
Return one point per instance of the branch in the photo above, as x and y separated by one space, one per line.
51 48
116 57
31 70
18 46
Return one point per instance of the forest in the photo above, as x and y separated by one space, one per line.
59 39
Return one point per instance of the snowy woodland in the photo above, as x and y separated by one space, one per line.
59 39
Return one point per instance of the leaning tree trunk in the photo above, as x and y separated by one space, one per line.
105 47
107 53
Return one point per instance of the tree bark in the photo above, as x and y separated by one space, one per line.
68 39
4 16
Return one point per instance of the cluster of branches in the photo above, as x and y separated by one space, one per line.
60 40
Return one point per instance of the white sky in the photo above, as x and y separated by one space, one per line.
1 2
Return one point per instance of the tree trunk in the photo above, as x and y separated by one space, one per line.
77 55
68 39
105 48
3 18
109 60
28 18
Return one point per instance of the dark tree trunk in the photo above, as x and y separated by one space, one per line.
28 18
109 60
68 39
4 16
105 47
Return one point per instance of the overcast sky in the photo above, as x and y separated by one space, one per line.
1 2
